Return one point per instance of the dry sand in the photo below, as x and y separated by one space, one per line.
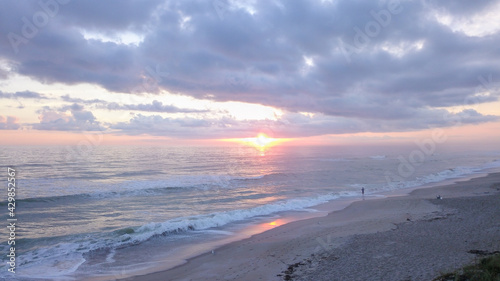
413 237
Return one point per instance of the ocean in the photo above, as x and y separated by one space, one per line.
114 211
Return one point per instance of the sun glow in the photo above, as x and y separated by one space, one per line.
261 141
277 222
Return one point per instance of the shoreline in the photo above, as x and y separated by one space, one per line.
233 260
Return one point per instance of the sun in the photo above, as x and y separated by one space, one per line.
261 141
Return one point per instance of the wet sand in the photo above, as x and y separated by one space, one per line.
412 237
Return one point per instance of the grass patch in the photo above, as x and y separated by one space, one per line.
487 269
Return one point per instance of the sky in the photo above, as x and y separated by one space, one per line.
191 71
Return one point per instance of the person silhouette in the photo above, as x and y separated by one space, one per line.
363 190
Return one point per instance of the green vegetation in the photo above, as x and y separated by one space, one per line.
487 269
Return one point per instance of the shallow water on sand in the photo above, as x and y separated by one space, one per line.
95 213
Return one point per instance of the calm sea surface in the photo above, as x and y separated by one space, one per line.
108 210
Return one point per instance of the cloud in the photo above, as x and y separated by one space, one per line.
160 126
84 101
462 8
77 119
292 125
4 74
9 123
155 106
22 95
354 62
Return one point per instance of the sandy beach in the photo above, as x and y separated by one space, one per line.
410 237
249 140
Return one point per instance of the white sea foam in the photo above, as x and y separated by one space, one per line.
142 195
67 257
60 267
332 159
94 189
492 165
378 157
453 173
202 222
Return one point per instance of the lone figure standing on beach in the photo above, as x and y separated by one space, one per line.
363 190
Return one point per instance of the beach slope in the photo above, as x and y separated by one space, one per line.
413 237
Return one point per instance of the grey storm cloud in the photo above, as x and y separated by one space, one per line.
410 67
